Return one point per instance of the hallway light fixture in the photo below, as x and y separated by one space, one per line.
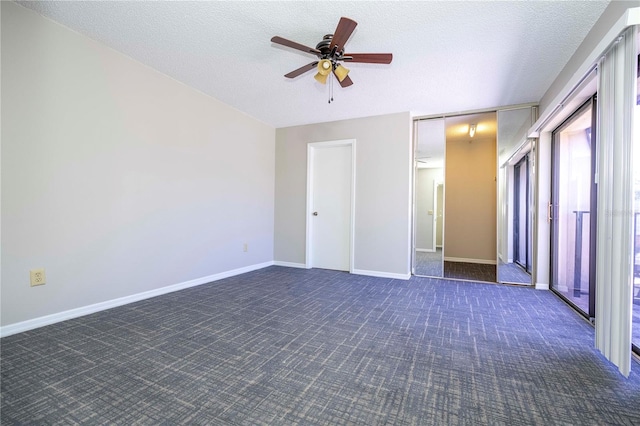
472 130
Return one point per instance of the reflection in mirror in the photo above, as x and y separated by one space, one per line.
470 203
516 155
429 197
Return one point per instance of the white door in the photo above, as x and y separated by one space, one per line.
331 207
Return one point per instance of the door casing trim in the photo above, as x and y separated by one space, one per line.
311 147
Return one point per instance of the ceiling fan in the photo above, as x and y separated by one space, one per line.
330 52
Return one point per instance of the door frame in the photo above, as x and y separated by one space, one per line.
517 214
592 102
311 147
434 216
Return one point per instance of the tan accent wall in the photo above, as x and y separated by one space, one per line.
470 200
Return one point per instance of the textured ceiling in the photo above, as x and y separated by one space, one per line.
448 56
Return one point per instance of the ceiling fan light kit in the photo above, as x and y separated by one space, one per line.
324 68
321 78
330 52
340 72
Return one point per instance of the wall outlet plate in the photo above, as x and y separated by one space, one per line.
37 277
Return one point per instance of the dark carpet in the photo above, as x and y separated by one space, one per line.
470 271
316 347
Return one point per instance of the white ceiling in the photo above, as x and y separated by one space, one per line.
448 56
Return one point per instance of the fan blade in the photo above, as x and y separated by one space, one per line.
368 58
343 32
302 70
294 45
344 83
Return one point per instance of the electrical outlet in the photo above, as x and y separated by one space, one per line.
245 247
37 277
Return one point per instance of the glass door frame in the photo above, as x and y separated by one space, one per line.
554 208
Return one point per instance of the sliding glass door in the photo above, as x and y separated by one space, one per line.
573 211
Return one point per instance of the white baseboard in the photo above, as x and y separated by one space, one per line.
462 259
31 324
290 264
426 250
381 274
542 286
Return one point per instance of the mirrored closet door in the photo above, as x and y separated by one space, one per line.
429 191
455 197
470 204
516 186
474 180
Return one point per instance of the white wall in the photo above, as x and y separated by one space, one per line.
117 179
383 190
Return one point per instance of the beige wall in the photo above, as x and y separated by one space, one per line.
383 190
470 200
117 179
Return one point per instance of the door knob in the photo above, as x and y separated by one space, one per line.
315 213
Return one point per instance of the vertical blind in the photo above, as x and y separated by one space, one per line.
614 266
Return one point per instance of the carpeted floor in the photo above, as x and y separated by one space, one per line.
513 273
429 264
316 347
470 271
